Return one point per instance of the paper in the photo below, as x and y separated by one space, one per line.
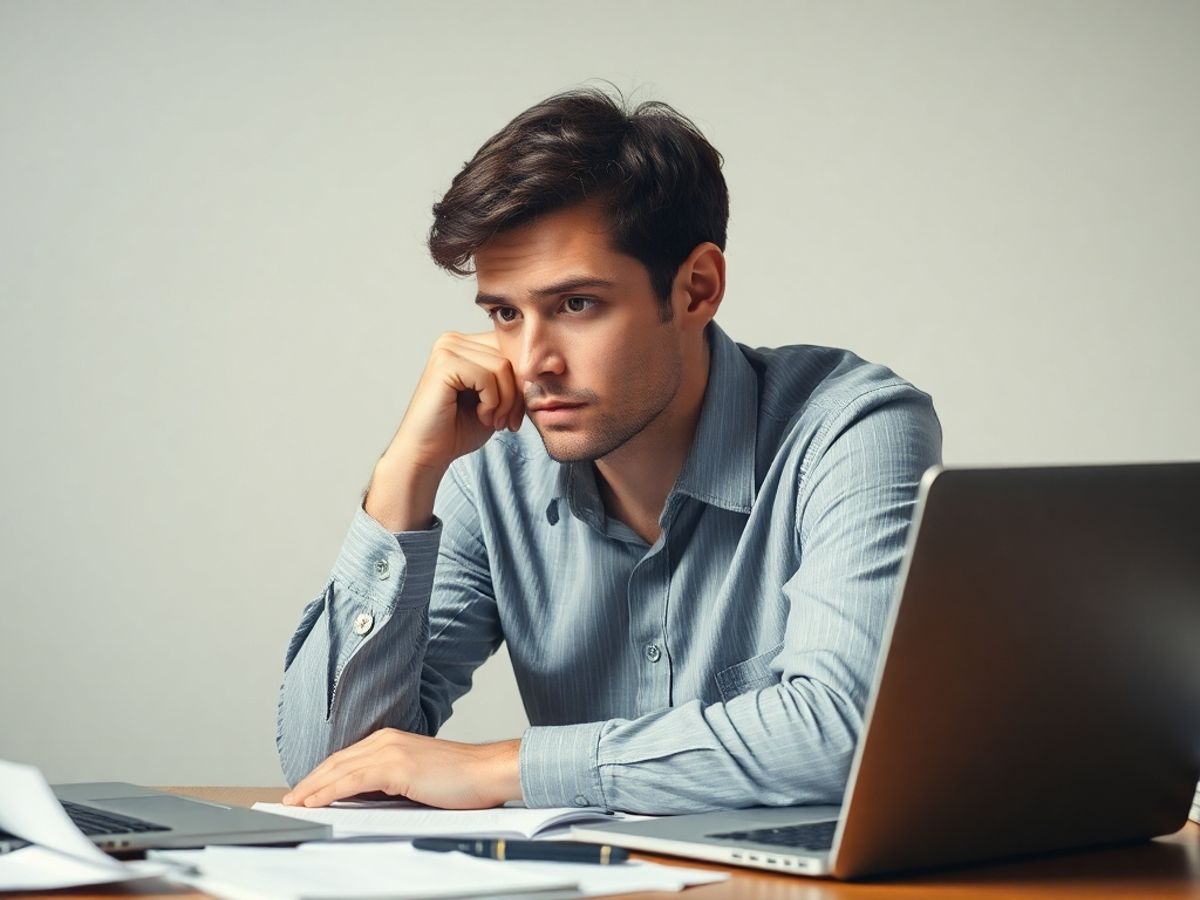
1194 815
322 870
402 819
360 871
29 809
60 856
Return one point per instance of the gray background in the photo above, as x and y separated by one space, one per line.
215 299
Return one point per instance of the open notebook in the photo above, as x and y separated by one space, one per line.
404 819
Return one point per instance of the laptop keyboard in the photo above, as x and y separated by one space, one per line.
92 822
811 836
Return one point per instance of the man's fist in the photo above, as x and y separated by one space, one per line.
466 394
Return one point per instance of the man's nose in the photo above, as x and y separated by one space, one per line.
539 356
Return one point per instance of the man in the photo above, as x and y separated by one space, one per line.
689 546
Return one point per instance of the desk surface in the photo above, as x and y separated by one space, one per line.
1167 867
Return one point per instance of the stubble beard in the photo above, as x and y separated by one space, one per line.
611 433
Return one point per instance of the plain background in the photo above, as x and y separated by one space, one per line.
215 298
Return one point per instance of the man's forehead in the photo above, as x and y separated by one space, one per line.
553 239
550 263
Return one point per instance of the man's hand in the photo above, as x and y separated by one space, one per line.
435 772
466 394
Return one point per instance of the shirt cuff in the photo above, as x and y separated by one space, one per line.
560 766
387 568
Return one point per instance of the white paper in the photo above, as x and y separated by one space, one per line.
628 877
592 880
1194 815
360 871
60 856
29 809
411 820
37 868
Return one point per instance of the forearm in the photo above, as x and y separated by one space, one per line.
790 744
401 496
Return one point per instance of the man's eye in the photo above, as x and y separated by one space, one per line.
502 314
578 304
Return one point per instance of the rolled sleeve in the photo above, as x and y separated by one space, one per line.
560 767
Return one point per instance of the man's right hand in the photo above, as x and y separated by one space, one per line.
466 394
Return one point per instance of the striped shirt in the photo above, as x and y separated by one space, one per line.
725 665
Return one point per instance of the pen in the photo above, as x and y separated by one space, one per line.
549 851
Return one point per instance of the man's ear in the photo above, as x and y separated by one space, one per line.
699 286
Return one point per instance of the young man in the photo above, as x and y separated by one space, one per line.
688 545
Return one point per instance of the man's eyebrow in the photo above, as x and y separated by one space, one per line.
566 286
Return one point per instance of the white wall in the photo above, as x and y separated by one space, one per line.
215 298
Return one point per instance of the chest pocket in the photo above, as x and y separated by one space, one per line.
751 674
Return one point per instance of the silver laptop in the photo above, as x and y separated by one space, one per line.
125 818
1038 686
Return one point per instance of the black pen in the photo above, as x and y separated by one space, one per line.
548 851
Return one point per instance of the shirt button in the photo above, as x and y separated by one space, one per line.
363 623
581 800
382 569
653 653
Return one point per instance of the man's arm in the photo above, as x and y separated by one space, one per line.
793 742
357 662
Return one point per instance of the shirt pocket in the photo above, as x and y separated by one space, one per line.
749 675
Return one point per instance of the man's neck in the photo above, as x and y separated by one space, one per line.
636 479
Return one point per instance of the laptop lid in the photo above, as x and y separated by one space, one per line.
1038 687
181 821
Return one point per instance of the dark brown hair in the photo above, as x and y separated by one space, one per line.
658 179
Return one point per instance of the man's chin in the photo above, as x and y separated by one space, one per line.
569 447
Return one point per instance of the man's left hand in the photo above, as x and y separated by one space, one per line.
447 774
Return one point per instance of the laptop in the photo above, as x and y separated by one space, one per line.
1038 686
125 818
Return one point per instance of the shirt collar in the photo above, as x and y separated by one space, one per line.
719 468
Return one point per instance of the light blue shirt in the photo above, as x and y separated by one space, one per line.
725 665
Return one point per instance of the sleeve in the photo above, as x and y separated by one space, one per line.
387 644
792 742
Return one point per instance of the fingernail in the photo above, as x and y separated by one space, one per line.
287 798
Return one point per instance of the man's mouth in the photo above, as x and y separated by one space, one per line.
549 413
553 405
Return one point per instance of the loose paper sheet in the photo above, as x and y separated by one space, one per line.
60 856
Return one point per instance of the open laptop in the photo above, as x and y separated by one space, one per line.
124 818
1038 686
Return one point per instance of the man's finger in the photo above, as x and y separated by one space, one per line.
323 773
371 777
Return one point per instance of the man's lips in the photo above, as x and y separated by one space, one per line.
551 407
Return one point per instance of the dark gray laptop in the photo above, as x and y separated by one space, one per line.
1038 686
125 818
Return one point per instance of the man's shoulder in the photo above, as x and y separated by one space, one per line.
823 381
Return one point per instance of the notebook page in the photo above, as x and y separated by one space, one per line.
412 820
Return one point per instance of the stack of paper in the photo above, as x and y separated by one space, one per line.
60 856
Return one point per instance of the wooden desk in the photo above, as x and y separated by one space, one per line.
1165 868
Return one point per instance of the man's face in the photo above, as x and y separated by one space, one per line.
580 325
